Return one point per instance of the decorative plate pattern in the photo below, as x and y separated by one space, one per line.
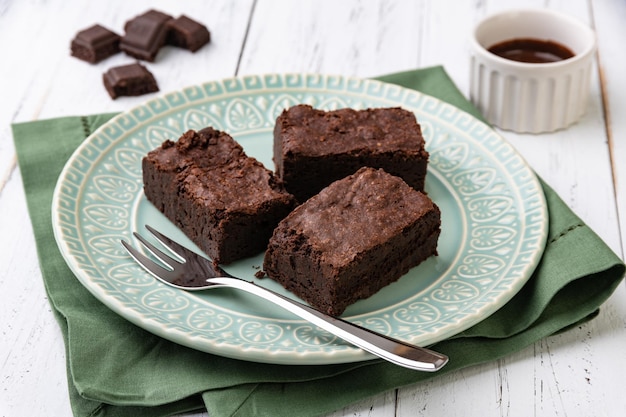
494 222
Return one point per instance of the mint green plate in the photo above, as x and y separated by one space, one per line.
494 222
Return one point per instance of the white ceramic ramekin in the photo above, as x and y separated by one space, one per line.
527 97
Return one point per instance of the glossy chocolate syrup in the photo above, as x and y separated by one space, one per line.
535 51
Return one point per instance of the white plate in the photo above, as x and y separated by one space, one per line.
494 222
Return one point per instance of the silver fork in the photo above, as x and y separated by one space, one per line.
193 272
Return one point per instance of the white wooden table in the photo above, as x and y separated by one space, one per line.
579 373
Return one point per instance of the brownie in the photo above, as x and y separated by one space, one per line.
129 80
145 35
187 33
356 236
226 202
95 44
313 148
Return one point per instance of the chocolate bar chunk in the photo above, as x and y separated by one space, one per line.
95 44
187 33
145 35
129 80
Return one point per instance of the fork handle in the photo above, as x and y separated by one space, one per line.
395 351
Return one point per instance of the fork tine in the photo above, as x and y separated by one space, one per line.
147 263
162 256
171 244
191 258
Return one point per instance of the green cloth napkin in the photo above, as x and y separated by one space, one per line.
117 369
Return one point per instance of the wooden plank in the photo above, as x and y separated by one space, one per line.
609 17
330 37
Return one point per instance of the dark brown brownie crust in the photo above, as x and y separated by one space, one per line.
313 148
226 202
356 236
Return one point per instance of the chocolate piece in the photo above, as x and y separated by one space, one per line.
95 44
129 80
353 238
224 201
187 33
145 35
313 148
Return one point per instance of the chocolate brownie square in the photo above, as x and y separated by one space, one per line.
356 236
226 202
313 148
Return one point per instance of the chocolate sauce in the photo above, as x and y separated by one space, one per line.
535 51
